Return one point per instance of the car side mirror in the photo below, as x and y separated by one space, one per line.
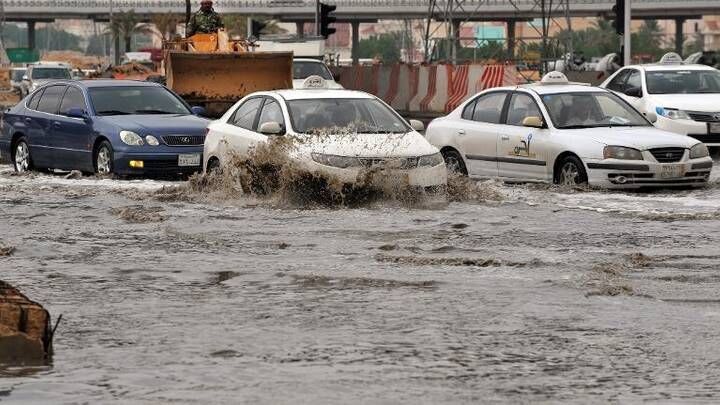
25 78
271 128
199 111
634 92
651 116
533 122
77 113
417 125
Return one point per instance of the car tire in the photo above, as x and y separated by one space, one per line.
213 165
22 161
103 159
454 162
571 172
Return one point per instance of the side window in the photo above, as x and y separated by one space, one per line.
488 108
467 113
271 112
522 106
50 99
244 116
633 80
33 103
618 82
73 98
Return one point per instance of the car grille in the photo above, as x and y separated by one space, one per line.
668 155
704 116
184 140
392 163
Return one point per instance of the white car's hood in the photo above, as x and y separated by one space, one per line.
689 102
410 144
636 137
331 84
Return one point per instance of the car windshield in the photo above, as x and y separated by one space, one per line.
683 82
136 100
50 73
303 70
590 110
364 115
17 75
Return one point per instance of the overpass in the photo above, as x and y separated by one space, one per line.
351 10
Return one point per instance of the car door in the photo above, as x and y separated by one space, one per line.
45 117
70 138
634 81
238 133
477 133
522 151
30 124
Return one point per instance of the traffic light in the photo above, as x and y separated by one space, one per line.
326 19
256 27
619 22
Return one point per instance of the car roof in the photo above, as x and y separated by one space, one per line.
307 60
108 83
654 67
301 94
560 88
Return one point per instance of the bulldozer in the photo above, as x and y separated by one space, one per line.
214 72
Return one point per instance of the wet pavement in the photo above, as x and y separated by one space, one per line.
548 295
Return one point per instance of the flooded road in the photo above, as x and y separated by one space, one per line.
548 295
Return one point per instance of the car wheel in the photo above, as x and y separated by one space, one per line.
21 157
104 159
571 172
454 162
213 165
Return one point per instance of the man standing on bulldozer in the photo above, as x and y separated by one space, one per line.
205 21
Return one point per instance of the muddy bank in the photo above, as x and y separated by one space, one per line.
25 334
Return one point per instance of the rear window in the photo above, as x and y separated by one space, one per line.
50 73
303 70
50 99
33 103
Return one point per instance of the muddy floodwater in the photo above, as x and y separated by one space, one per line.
547 295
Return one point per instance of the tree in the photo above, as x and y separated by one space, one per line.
385 47
163 25
236 25
648 39
123 25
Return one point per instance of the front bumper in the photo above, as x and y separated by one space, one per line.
424 177
619 174
695 129
159 164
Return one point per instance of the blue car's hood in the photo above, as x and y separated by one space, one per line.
158 124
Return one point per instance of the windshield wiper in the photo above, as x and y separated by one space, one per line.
113 112
577 126
150 111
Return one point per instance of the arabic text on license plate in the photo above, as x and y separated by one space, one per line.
190 159
714 128
671 171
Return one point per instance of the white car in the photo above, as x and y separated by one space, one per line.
565 133
319 120
686 98
306 67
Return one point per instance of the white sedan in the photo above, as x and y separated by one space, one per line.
565 133
339 133
686 98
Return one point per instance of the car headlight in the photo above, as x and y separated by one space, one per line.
152 141
131 138
431 160
621 152
672 113
699 151
336 161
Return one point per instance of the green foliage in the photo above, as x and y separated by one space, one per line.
124 25
598 40
648 40
47 38
386 47
236 25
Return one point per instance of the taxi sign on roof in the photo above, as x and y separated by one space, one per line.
314 82
671 58
554 78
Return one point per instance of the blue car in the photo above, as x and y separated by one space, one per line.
106 127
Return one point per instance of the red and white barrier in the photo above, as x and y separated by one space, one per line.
426 88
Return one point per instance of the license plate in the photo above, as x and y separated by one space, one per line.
189 159
714 128
672 171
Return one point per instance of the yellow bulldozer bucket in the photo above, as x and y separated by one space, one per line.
222 78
